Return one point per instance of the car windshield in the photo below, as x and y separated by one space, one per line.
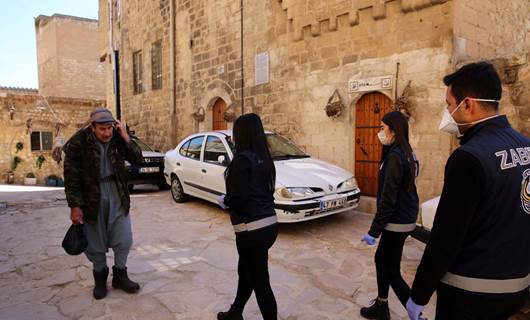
142 145
280 148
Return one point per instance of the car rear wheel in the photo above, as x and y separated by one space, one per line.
177 192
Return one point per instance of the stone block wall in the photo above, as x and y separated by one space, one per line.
68 51
19 110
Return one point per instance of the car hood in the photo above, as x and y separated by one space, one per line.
310 172
152 154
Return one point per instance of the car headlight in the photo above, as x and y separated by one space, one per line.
351 183
290 193
127 163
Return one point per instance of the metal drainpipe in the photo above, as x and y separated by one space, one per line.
172 65
242 66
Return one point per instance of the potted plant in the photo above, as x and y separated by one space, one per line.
16 161
52 180
19 146
40 161
30 179
10 177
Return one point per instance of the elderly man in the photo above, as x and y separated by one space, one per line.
98 197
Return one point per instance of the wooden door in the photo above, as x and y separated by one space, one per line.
369 111
219 108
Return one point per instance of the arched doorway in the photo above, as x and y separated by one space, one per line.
369 111
218 111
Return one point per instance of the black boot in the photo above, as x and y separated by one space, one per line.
100 280
120 280
377 311
233 314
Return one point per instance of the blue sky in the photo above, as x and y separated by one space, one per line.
18 55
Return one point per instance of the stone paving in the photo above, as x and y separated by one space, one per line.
185 259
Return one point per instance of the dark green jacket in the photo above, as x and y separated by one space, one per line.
82 172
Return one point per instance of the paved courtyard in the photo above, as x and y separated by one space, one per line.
185 259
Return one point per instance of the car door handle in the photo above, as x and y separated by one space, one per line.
203 170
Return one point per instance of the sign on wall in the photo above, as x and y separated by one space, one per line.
370 84
262 68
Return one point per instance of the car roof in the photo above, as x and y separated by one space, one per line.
224 132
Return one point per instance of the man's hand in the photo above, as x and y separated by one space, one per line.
121 130
414 310
76 215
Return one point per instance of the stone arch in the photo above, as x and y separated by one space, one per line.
215 90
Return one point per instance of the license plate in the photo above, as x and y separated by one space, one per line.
332 204
149 169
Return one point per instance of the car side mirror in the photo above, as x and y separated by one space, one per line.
222 160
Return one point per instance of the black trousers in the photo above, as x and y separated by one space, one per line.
253 269
388 266
454 303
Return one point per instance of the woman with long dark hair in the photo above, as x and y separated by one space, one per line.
250 184
397 211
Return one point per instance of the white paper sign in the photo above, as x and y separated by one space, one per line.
262 68
370 84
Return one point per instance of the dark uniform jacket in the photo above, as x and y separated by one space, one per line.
247 195
480 241
82 172
397 207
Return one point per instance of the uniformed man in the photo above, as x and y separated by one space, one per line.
97 194
478 257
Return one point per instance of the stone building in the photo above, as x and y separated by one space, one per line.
286 59
68 57
71 85
32 126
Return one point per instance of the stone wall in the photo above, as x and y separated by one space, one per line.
68 52
489 29
17 109
314 47
140 24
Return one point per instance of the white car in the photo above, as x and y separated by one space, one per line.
306 188
426 219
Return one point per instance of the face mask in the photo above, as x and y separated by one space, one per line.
384 139
449 125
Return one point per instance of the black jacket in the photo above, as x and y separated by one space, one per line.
82 172
248 196
395 204
481 228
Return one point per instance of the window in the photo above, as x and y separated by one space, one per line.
142 145
184 149
214 148
137 72
41 141
194 148
156 65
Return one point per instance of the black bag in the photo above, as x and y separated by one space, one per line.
75 242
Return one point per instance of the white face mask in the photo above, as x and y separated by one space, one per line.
449 125
383 138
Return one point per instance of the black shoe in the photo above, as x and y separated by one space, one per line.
100 280
377 311
233 314
120 280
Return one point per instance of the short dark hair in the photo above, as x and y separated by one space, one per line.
476 80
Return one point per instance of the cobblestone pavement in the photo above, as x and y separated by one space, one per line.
185 259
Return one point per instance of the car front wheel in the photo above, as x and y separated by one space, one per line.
177 192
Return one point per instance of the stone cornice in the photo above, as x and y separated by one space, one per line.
310 14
